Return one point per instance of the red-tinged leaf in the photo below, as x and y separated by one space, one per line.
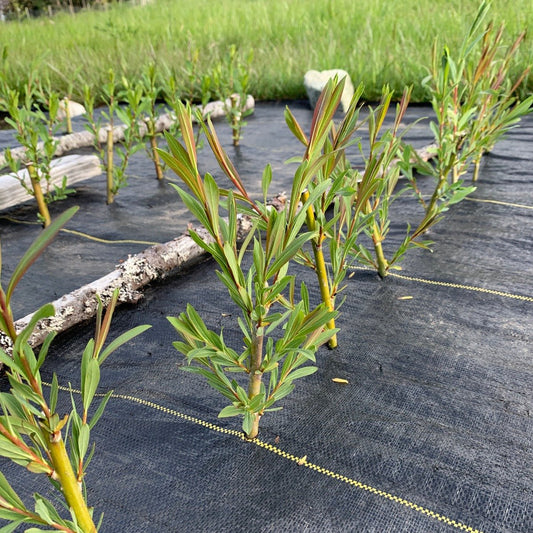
187 132
295 128
222 158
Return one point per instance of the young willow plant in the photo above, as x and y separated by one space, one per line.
152 91
30 425
324 161
474 104
280 334
130 115
387 155
231 80
35 129
487 87
320 182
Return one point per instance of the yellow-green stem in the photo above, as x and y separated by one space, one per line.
383 264
39 196
157 161
7 313
321 270
477 163
109 166
455 174
256 376
69 483
430 210
234 120
377 239
67 114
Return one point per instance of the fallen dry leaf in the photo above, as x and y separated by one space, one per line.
339 380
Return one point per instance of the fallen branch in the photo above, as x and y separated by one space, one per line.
74 168
155 263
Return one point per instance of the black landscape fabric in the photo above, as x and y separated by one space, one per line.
432 431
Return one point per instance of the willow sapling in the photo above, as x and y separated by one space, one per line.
151 93
130 117
170 94
31 427
474 106
35 132
318 183
488 87
281 334
386 156
348 195
231 80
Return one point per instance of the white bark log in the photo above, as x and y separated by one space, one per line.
74 167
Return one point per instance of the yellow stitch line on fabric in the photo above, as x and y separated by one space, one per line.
465 287
452 285
301 461
81 234
499 202
106 241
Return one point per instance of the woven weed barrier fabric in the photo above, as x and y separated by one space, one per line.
431 433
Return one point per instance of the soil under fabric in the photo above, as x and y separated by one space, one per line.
433 431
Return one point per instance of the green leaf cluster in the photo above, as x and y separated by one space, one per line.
30 426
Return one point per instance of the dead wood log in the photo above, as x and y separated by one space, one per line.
74 168
155 263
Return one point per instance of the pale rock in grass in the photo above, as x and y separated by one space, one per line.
74 109
315 81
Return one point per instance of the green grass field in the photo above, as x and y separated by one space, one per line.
377 42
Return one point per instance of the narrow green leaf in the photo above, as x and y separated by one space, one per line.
10 363
46 510
288 253
301 372
90 381
181 165
212 197
231 410
283 390
43 351
248 422
266 180
37 248
54 393
83 440
98 413
195 207
17 521
7 492
122 339
44 312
